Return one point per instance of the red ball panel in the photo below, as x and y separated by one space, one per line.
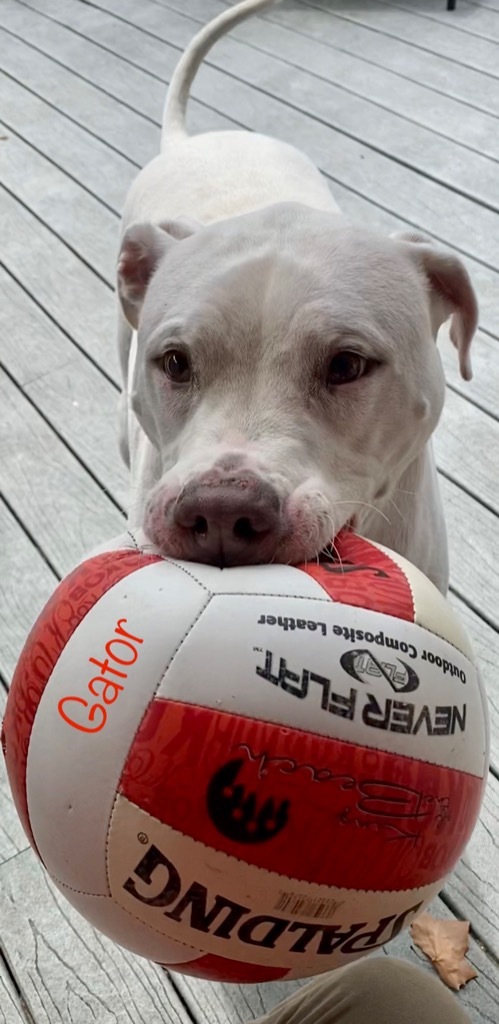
370 819
364 577
212 968
70 602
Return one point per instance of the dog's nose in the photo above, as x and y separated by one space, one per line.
232 519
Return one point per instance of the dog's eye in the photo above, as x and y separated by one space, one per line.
177 366
344 368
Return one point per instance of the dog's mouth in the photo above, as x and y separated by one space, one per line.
244 522
330 553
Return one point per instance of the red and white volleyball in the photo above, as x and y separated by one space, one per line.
251 773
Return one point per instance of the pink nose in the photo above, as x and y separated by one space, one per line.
231 519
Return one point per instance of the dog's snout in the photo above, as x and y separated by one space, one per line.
231 519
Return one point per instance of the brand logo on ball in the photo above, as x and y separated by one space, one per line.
158 885
364 666
235 812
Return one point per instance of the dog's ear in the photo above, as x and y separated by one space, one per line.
142 248
451 294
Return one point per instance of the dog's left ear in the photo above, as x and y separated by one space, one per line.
451 294
142 248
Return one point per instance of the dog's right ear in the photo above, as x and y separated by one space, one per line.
142 248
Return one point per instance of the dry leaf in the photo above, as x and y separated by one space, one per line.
445 943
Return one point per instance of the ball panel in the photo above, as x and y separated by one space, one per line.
355 674
432 610
191 893
129 540
69 604
275 579
364 575
98 691
216 968
263 788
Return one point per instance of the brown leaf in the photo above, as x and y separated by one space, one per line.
445 943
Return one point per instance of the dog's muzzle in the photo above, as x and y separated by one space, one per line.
229 518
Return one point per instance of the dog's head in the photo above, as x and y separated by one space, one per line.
286 372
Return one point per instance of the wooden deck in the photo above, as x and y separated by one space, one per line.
398 103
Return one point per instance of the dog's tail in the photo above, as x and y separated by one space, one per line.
183 76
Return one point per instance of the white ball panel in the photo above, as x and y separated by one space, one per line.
231 896
72 775
229 681
275 579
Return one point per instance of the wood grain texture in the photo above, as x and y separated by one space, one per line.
69 972
26 583
473 19
465 442
441 37
11 1009
98 113
66 387
474 885
80 303
408 62
57 501
100 169
472 533
95 62
12 837
70 211
486 649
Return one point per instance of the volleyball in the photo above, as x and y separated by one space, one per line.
251 773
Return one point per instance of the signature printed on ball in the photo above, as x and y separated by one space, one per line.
119 649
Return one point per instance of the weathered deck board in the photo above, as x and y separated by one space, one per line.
443 40
100 170
11 1011
12 837
473 547
87 226
64 385
60 505
472 19
486 648
392 54
473 885
72 294
68 971
137 88
26 583
400 131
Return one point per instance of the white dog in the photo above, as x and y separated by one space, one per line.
284 378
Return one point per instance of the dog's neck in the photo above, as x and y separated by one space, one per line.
410 520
